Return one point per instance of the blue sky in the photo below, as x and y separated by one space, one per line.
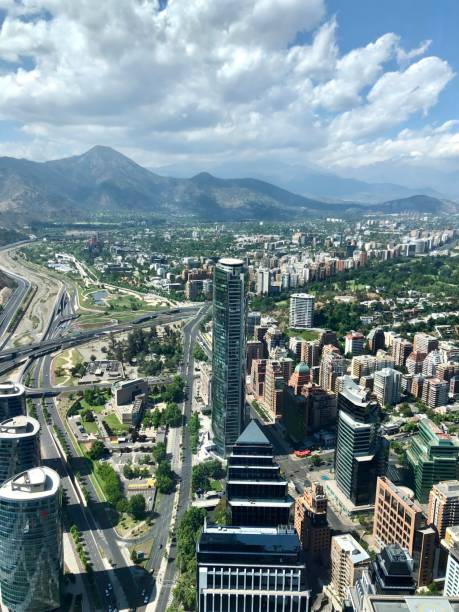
352 87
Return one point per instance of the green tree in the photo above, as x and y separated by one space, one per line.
164 478
137 506
97 450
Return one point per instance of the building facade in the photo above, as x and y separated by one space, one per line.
311 523
248 569
301 312
31 548
19 446
12 400
443 508
228 353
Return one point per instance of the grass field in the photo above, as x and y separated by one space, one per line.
89 427
114 423
305 334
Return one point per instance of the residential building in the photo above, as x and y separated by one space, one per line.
401 349
387 386
12 400
310 353
255 350
301 311
432 361
348 562
432 457
263 281
311 523
414 362
443 508
19 446
424 343
332 366
415 603
376 340
435 392
250 568
228 353
327 337
256 492
354 343
31 546
360 455
451 588
273 391
257 377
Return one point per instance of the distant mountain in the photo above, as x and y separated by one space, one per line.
103 180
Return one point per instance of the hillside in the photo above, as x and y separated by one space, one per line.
105 181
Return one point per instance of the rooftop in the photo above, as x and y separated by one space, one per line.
19 426
252 434
449 488
347 543
36 483
249 540
11 388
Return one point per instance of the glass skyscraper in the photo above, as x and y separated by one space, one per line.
31 550
12 400
228 353
19 446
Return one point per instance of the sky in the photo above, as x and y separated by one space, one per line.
360 88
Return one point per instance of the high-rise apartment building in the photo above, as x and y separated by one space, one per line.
401 348
414 362
311 523
310 353
31 549
273 389
250 568
424 343
301 311
360 455
432 457
432 361
19 446
376 340
255 350
354 343
387 386
332 366
12 400
435 392
348 562
443 509
256 491
228 353
263 281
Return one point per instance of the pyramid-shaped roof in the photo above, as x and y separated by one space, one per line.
252 434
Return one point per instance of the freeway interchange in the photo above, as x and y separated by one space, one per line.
116 584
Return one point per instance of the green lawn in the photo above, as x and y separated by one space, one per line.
97 409
89 427
305 334
216 485
114 423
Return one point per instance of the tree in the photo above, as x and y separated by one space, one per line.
172 415
127 471
137 506
159 452
97 450
164 478
199 354
122 505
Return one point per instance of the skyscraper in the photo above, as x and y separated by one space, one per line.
256 491
31 553
250 568
360 453
12 400
311 523
228 353
443 509
301 310
387 386
19 446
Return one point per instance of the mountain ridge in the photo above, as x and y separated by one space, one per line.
102 180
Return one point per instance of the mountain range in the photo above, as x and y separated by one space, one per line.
103 180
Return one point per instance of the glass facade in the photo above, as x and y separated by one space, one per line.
19 446
12 400
31 554
228 353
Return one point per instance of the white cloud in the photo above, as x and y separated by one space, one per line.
207 79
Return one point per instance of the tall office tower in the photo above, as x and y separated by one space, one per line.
360 455
250 568
348 562
228 353
256 492
31 549
376 340
424 343
389 573
12 400
432 456
401 348
332 365
311 522
253 319
414 362
310 353
19 446
301 310
387 386
354 343
443 509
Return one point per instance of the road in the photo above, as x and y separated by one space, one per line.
16 298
